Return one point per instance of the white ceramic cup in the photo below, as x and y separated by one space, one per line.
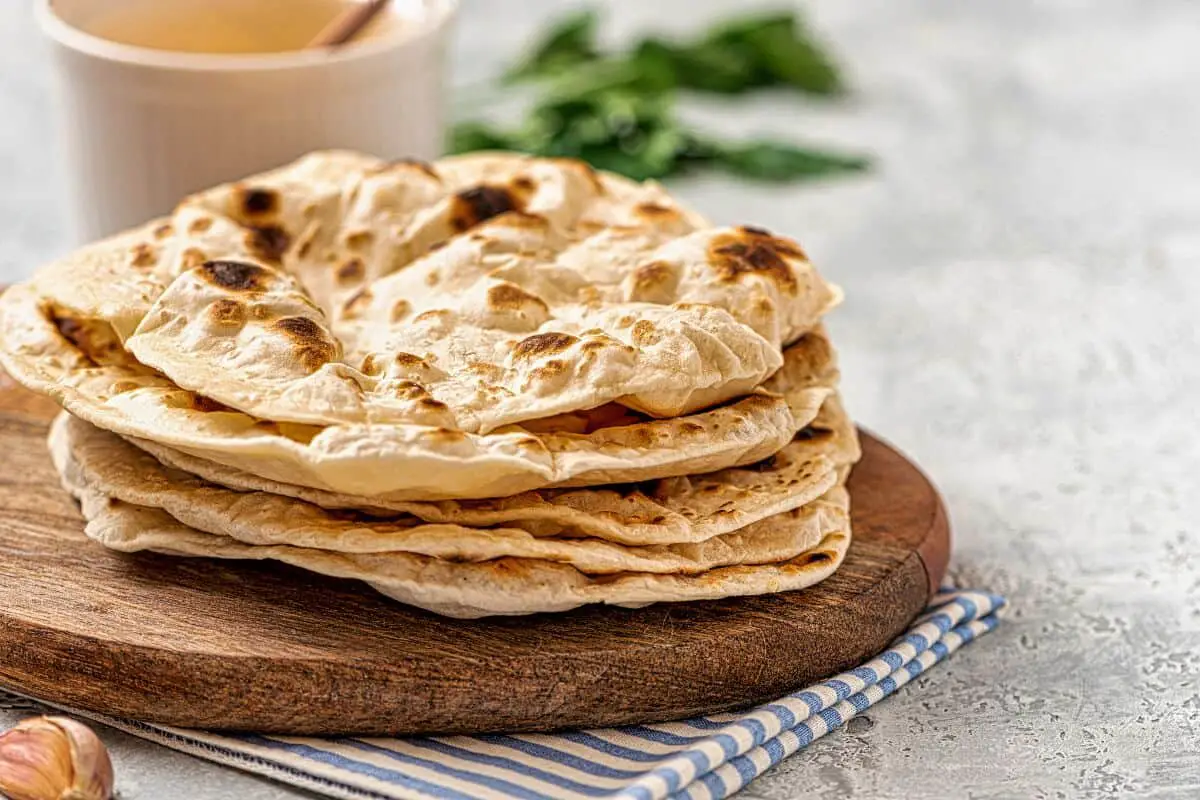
144 128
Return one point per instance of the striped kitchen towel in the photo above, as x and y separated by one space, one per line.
705 757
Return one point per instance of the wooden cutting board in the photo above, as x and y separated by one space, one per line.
217 644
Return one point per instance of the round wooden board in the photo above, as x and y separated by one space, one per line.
209 644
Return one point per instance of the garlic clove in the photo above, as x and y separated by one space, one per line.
54 758
35 761
93 768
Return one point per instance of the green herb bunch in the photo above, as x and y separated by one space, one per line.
616 111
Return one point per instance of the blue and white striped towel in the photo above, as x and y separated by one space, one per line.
707 757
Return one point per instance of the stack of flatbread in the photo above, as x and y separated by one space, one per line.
490 385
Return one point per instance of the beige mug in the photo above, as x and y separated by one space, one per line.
142 128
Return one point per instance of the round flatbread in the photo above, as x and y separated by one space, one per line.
94 378
117 469
504 586
688 508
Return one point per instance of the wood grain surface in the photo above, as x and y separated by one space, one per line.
211 644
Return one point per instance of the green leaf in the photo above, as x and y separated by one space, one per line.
657 151
468 136
784 52
657 58
612 111
571 41
747 27
796 59
725 68
626 132
605 76
776 161
698 150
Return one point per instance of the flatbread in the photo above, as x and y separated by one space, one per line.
117 469
95 379
690 508
505 586
487 291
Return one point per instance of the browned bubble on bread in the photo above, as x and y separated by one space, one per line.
542 344
754 251
254 202
236 276
352 270
311 344
473 206
510 297
268 242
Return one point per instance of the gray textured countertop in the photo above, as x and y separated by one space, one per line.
1023 280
